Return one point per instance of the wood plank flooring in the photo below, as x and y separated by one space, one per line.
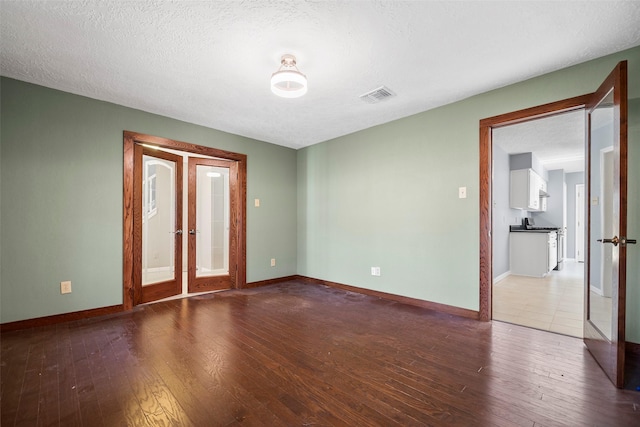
295 354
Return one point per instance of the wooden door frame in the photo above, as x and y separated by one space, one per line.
486 166
130 139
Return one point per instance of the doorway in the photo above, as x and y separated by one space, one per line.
536 282
606 119
214 230
486 195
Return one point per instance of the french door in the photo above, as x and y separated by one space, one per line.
158 225
212 205
161 218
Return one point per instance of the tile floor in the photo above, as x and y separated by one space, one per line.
553 303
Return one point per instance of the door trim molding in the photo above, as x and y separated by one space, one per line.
486 165
130 139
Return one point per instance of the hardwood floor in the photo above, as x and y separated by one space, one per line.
306 355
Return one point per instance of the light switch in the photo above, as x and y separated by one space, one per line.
256 202
462 192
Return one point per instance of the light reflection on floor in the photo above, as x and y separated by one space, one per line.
554 303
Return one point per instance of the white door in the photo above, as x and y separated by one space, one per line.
580 222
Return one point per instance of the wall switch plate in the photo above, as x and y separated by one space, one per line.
273 262
256 203
375 271
65 287
462 192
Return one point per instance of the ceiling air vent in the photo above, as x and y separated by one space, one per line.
377 95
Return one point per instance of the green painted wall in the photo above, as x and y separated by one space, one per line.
388 196
61 198
385 196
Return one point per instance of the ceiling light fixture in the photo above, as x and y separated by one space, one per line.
288 81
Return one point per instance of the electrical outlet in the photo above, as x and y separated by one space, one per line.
462 192
65 287
375 271
273 262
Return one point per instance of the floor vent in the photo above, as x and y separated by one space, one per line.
377 95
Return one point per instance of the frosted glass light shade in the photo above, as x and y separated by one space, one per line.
288 83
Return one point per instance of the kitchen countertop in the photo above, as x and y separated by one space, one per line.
520 229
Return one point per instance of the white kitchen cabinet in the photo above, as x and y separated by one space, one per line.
525 188
543 184
542 191
532 253
543 204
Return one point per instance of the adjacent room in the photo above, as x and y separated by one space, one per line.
538 259
319 213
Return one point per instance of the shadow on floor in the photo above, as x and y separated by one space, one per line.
632 371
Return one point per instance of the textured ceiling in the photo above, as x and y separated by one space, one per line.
557 141
209 63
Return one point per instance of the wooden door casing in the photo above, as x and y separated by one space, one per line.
486 166
130 140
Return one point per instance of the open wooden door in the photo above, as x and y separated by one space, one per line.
605 284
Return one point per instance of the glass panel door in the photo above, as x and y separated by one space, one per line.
605 287
211 231
212 221
158 220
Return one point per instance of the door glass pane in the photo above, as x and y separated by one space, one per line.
212 221
158 220
601 224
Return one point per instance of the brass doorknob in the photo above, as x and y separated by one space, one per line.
615 240
622 240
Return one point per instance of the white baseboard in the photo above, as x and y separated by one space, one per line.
502 276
